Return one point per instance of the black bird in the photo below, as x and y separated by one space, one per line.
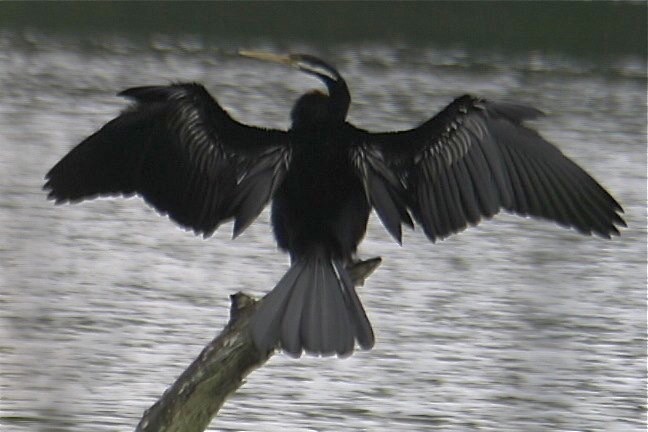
181 151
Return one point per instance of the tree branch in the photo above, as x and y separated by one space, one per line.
195 398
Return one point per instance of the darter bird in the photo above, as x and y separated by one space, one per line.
178 149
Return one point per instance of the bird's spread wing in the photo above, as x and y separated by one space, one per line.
384 186
179 150
471 160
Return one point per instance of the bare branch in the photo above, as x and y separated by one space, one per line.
195 398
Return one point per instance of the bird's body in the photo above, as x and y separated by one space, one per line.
179 150
321 202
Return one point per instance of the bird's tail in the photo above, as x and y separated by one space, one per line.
313 308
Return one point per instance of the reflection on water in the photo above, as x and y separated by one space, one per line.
513 325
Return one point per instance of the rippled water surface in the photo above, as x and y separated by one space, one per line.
512 325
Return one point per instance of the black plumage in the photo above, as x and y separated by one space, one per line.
180 150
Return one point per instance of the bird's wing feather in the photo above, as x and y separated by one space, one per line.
385 189
178 149
476 157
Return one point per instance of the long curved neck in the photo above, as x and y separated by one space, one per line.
339 96
316 108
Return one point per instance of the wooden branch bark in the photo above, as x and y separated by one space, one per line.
190 404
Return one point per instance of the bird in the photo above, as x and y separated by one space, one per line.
177 148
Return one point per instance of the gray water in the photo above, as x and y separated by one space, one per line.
512 325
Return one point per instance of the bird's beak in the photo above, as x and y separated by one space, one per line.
265 56
303 62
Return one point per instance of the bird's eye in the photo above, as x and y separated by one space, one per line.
317 69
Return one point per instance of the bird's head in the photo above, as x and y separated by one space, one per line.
314 106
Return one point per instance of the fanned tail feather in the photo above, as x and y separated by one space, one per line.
313 308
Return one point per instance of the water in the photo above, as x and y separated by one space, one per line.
512 325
